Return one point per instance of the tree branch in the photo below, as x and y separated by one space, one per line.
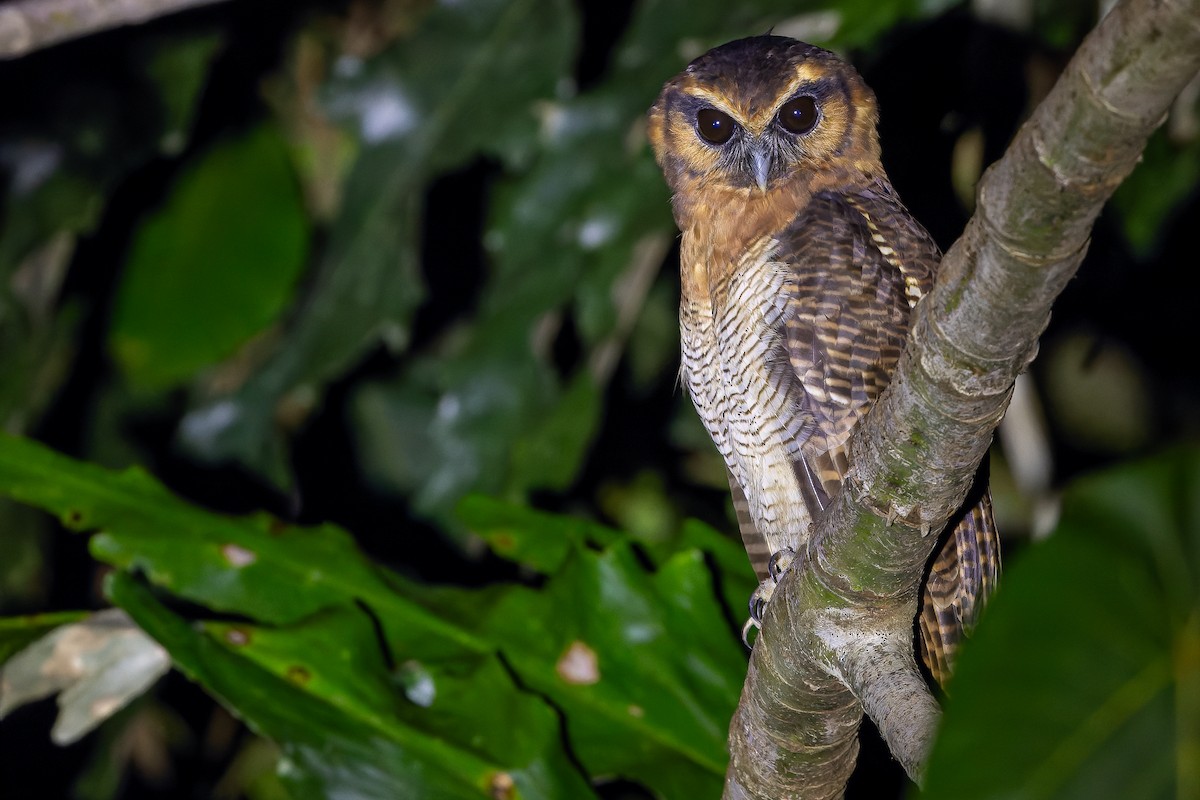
29 25
837 637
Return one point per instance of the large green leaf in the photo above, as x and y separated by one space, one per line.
317 674
643 663
1083 680
646 666
254 566
214 266
322 690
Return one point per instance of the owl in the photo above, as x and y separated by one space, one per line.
799 272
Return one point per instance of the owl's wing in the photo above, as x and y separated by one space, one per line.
855 266
847 295
840 324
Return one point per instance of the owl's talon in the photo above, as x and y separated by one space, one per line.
758 604
750 625
779 562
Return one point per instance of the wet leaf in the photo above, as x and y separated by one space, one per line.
1084 679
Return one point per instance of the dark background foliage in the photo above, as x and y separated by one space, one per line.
483 306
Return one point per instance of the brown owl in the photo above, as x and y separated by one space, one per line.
799 270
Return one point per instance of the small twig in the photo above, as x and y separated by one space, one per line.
29 25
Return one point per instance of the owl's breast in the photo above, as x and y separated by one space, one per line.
736 372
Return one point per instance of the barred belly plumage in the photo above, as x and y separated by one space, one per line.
732 366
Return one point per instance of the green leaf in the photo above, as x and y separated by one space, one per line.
1165 177
254 566
319 677
644 667
462 718
214 266
534 538
549 456
327 751
737 577
446 428
1083 679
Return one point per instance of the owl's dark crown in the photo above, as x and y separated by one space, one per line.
760 67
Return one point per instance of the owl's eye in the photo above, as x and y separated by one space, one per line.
715 126
799 115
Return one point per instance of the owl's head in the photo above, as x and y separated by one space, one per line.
756 112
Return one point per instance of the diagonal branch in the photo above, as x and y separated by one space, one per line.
837 638
29 25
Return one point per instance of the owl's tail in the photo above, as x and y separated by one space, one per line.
963 575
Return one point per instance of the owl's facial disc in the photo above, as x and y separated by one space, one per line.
758 144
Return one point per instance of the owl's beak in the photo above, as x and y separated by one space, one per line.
762 166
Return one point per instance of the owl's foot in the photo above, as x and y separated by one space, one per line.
780 561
